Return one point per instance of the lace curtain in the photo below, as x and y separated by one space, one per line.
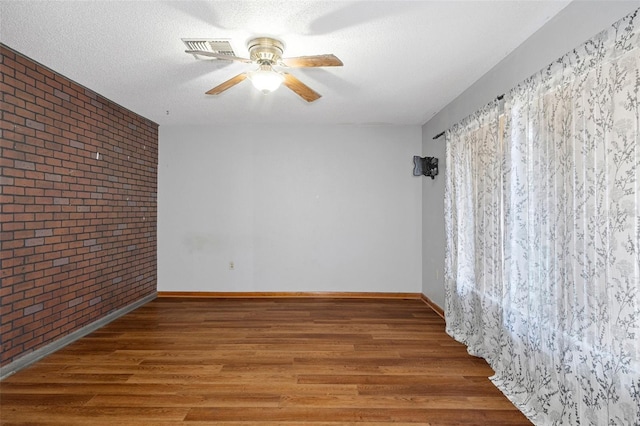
473 184
543 236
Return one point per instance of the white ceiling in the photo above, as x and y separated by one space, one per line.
403 60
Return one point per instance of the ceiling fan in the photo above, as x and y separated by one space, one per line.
266 53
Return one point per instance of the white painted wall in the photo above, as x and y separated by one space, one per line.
296 208
578 22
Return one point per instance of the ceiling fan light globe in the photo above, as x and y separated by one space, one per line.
266 81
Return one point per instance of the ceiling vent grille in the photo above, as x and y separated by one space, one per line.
218 46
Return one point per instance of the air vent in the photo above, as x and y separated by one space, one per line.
215 45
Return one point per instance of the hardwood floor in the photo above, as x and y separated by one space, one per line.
262 361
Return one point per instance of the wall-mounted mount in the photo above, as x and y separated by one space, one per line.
427 166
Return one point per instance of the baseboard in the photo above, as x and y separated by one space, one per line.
282 295
38 354
437 309
306 294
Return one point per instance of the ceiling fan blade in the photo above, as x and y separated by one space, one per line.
218 56
227 84
304 91
328 60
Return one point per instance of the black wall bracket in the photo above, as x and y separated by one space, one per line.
427 166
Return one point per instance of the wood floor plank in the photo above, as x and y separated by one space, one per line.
242 399
383 401
65 415
358 415
262 362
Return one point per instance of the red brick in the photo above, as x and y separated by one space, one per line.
56 195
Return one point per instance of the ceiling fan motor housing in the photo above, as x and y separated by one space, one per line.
265 50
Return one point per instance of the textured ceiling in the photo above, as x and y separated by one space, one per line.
403 60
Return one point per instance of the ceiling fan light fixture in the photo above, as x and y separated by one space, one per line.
265 79
265 52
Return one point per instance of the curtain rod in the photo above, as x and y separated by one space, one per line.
499 98
438 135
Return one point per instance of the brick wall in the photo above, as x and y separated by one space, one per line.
78 178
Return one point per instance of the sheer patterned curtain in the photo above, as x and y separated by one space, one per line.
473 274
565 344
